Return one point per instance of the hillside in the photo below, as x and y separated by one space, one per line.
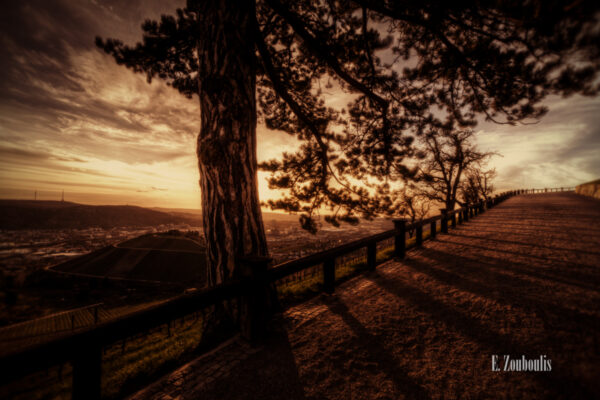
155 257
31 214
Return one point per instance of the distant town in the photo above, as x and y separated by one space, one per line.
31 290
24 251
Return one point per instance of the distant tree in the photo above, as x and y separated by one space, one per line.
477 185
408 66
449 156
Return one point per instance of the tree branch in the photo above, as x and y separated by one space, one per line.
323 53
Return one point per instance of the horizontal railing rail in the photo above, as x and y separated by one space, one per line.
84 348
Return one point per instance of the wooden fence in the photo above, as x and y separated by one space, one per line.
84 349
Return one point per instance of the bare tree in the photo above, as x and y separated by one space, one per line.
449 156
477 184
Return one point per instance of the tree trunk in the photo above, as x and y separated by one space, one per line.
232 219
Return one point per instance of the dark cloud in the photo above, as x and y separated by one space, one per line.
562 149
50 65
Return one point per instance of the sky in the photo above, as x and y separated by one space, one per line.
72 119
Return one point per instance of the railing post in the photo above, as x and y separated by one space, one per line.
87 373
256 305
444 220
432 229
466 212
400 238
419 235
453 220
460 217
372 255
329 275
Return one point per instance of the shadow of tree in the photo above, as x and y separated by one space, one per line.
522 234
270 374
525 244
483 279
378 354
570 275
561 384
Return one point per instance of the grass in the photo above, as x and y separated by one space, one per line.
129 365
125 366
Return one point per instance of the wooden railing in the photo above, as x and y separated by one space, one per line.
84 349
549 190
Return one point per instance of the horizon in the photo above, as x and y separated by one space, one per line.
59 199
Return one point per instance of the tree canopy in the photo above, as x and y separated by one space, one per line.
410 67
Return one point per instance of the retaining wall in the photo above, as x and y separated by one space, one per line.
589 189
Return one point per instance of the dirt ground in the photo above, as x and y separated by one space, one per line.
522 279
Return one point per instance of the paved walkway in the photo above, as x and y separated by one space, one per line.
522 279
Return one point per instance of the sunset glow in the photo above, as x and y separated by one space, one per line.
73 120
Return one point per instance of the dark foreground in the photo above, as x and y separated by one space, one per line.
523 279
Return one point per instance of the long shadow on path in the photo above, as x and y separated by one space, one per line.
270 374
378 354
561 384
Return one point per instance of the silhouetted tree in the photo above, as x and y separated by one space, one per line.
450 155
401 61
477 185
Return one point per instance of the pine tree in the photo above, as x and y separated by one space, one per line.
408 66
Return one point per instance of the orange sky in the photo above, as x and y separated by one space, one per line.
71 119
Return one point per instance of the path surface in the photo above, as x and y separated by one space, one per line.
520 279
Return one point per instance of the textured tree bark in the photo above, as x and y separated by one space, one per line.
232 219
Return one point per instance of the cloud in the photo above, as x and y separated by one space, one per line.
52 69
561 150
69 113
